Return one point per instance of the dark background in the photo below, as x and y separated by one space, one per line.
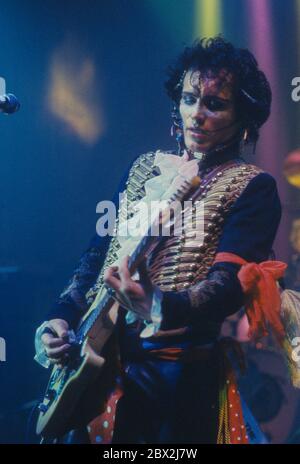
51 178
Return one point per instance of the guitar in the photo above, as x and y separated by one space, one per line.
73 391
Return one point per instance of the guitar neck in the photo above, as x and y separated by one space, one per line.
145 246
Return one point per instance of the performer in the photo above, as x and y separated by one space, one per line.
175 383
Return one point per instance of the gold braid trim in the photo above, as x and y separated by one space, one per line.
186 259
142 169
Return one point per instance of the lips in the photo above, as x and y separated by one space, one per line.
197 133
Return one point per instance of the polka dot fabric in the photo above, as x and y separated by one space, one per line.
101 429
237 429
232 429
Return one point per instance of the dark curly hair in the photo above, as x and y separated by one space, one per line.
252 89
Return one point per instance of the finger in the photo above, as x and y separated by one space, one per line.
128 285
124 271
114 269
60 327
110 278
51 341
144 274
57 352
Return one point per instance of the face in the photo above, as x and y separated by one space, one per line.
207 109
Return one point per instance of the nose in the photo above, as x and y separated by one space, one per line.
198 113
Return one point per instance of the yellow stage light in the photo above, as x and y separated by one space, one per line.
72 91
208 18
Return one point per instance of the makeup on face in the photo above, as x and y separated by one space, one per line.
207 110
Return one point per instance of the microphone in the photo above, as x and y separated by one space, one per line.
9 103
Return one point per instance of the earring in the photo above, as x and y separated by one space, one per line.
245 141
177 129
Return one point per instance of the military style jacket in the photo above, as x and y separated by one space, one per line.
241 215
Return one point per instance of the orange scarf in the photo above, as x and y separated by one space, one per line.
259 284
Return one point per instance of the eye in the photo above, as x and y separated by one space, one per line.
214 104
189 99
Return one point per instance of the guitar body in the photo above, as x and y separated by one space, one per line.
74 391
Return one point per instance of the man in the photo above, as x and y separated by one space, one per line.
169 321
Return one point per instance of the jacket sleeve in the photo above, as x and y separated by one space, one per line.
249 232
